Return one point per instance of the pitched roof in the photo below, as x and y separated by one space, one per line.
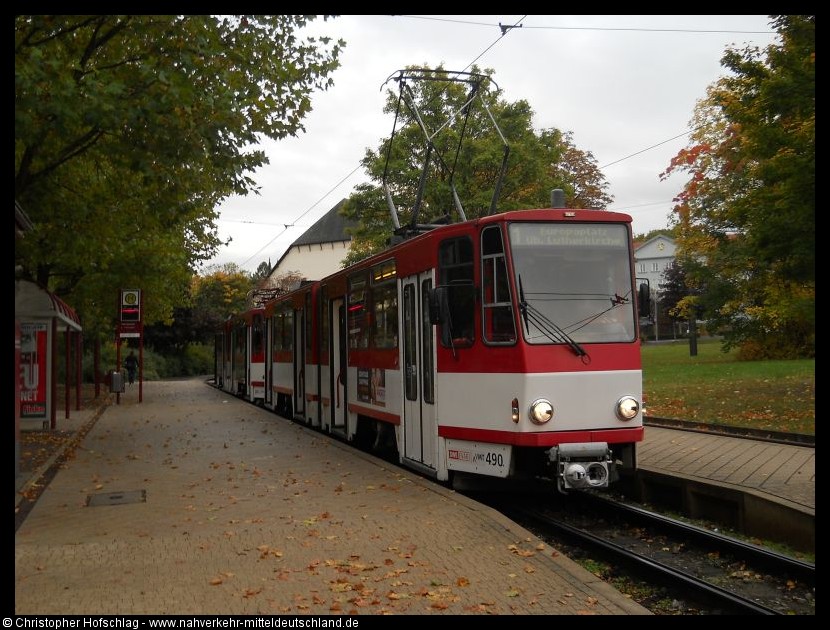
657 237
330 228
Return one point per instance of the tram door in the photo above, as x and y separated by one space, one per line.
338 366
420 425
299 362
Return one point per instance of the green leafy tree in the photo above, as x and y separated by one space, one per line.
748 209
130 129
538 162
260 276
671 232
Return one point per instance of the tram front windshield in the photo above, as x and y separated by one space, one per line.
574 282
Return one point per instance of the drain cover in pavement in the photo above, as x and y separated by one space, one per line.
116 498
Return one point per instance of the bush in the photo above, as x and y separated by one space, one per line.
771 349
197 359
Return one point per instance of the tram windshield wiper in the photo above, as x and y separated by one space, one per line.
545 325
616 300
523 304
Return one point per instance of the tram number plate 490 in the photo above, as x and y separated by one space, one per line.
478 457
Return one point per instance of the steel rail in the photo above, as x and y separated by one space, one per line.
723 596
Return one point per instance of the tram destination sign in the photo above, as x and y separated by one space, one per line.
555 235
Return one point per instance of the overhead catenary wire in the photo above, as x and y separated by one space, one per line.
503 30
305 212
356 168
589 28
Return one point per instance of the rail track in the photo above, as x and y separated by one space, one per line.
779 437
711 572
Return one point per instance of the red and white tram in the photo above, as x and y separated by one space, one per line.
505 346
240 355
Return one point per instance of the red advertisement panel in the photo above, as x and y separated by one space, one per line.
33 369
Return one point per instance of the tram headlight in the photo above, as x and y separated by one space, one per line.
627 408
541 411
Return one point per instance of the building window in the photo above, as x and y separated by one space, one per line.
642 268
655 266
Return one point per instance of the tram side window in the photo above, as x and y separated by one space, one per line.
324 320
384 306
497 313
410 348
276 334
257 337
427 371
288 328
240 343
455 269
283 330
308 330
357 309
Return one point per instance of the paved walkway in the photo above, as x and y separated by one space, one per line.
193 502
778 472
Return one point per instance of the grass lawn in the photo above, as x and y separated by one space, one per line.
715 387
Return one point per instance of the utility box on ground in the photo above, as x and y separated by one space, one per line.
117 382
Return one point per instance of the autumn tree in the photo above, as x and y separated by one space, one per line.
219 293
748 209
537 162
131 129
577 169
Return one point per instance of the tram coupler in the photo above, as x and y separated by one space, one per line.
582 465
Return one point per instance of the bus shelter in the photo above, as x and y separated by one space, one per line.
40 318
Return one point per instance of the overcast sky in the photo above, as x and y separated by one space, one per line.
621 84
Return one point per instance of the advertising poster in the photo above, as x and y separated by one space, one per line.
33 370
363 384
371 386
378 387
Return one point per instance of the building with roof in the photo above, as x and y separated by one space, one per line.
652 258
319 251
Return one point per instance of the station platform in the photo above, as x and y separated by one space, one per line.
195 503
762 488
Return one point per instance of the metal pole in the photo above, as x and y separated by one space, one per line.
68 363
53 380
97 366
693 335
79 368
141 365
118 365
656 316
117 348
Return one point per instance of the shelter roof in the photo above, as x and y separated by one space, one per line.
32 301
